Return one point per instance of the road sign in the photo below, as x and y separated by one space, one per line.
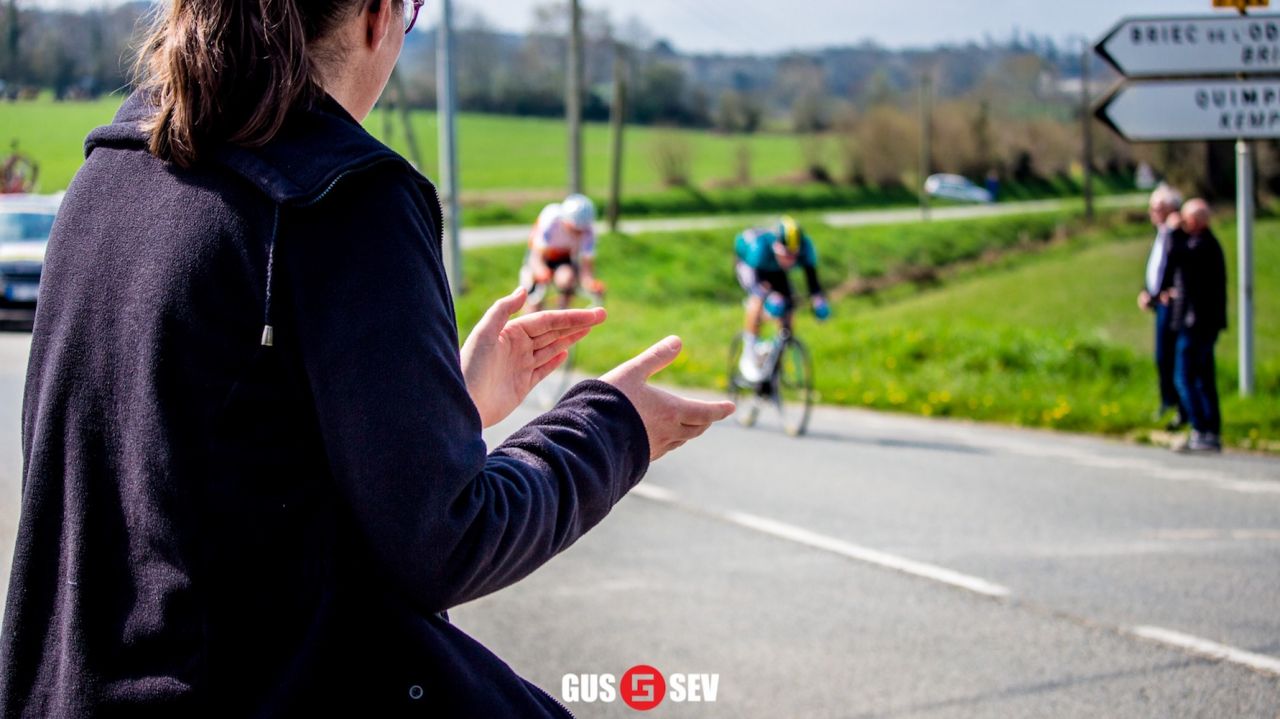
1194 110
1205 45
1241 4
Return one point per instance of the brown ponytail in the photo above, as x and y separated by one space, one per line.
231 70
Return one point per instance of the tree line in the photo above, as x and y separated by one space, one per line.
1000 106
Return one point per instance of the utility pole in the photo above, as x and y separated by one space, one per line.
573 96
926 136
446 102
401 107
617 121
388 116
1086 120
11 46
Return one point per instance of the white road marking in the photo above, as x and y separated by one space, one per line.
1252 487
1256 534
1184 642
1206 648
1216 535
1216 479
807 538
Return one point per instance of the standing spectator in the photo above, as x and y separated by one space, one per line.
1164 202
1195 281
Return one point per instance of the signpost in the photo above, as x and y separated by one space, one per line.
1196 46
1202 78
1154 111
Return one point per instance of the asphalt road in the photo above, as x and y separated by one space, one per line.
898 567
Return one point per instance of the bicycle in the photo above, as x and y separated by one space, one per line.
549 391
787 383
18 173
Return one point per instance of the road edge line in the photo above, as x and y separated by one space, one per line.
1208 649
798 535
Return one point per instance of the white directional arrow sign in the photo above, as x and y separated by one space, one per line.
1194 110
1165 46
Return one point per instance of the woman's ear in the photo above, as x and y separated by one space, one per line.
378 22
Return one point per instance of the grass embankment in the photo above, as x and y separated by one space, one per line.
511 166
1022 320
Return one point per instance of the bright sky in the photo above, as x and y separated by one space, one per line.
769 25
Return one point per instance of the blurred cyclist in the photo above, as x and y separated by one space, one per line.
562 250
765 256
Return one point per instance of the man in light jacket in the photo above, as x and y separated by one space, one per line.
1164 202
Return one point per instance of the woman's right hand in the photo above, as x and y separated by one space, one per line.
669 420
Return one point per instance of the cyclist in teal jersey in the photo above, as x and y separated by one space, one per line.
765 256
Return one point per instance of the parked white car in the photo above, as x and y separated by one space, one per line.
955 187
25 224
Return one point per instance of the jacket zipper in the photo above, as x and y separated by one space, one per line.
547 694
343 175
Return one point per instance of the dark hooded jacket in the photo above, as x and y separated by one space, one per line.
1196 271
221 519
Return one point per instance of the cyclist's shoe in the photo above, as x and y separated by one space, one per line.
750 365
775 304
821 309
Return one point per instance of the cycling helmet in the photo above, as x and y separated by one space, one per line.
578 211
790 234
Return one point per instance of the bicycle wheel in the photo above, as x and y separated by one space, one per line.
549 391
741 391
793 387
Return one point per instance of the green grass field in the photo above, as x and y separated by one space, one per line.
53 133
505 153
497 154
1017 327
510 167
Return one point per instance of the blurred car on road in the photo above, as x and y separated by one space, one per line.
25 224
955 187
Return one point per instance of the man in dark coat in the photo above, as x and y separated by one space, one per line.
1195 281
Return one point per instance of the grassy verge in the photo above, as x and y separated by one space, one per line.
1021 320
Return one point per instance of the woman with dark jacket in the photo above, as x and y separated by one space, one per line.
254 473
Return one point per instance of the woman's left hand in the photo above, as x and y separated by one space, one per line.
503 358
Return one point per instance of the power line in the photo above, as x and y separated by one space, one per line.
716 22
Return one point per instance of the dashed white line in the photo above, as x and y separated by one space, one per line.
1184 642
807 538
864 554
1211 650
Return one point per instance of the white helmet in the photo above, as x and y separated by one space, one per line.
578 211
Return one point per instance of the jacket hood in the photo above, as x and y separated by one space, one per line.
287 169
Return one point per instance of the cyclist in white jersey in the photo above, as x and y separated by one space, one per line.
562 249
